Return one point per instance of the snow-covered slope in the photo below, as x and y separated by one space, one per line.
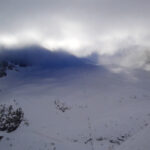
138 141
79 108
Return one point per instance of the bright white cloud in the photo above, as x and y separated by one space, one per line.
80 27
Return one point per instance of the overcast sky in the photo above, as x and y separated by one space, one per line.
118 30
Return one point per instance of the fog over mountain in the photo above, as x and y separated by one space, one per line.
74 75
81 27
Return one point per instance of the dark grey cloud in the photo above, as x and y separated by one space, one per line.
80 26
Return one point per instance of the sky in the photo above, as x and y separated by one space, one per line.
117 30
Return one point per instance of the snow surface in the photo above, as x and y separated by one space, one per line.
104 111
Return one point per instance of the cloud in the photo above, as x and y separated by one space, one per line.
108 27
127 60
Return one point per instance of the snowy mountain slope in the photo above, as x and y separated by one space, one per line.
76 108
138 141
